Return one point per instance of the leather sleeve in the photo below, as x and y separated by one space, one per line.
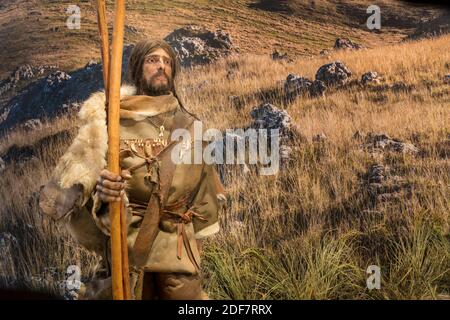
209 201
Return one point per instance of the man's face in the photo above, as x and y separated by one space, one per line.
157 72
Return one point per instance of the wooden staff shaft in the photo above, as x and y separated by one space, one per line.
113 146
104 42
125 266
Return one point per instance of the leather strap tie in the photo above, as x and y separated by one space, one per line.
182 219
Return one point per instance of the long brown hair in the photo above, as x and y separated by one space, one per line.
136 63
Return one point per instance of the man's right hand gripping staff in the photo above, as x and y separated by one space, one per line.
110 186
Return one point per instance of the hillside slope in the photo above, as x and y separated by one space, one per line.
35 31
367 182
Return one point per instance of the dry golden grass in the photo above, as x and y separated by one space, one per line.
277 240
311 231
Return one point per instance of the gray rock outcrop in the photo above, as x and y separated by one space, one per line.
334 74
198 46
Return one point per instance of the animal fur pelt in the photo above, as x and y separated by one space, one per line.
86 156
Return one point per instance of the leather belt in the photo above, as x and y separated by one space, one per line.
180 219
169 213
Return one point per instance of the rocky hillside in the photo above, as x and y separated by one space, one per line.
365 142
35 31
48 68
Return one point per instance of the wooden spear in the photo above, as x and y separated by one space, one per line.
112 72
104 43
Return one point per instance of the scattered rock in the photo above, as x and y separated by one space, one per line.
345 43
375 142
231 74
131 30
432 27
383 186
285 153
90 65
334 74
402 147
55 79
358 135
324 52
22 73
53 94
282 6
447 79
279 56
198 46
32 124
376 174
370 77
8 244
267 116
296 85
317 89
67 107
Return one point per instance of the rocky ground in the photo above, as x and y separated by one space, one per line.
364 149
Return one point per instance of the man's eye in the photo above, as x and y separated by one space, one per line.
155 60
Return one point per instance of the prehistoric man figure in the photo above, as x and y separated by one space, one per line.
81 188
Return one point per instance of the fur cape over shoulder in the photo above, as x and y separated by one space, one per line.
86 156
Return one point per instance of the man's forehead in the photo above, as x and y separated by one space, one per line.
159 52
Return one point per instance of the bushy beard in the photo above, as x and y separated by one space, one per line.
151 89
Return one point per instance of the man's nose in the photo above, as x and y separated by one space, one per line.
160 62
161 65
